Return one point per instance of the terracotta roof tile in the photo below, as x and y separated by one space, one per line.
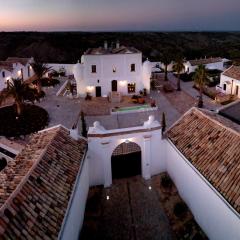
23 61
233 72
205 61
211 143
35 188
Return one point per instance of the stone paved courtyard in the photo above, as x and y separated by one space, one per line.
133 211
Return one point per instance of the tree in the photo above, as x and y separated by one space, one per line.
84 126
200 80
163 122
166 59
40 69
20 92
178 67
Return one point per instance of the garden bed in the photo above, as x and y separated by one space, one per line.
32 119
48 82
180 217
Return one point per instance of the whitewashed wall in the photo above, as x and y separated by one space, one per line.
101 149
74 219
229 87
215 217
104 75
211 66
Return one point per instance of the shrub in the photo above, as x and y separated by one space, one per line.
88 97
167 87
48 82
180 209
186 77
32 119
166 181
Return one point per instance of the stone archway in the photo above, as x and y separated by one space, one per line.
126 160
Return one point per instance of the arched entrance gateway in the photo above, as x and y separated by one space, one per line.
125 152
126 160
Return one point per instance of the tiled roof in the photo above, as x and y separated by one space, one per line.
23 61
4 65
35 188
233 72
232 111
211 144
205 61
103 51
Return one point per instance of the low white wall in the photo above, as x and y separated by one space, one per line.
74 219
213 215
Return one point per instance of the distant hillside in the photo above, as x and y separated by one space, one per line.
67 47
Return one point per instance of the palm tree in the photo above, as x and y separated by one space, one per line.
200 80
40 69
20 92
166 59
178 67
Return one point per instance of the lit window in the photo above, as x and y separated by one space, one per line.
94 68
114 69
133 67
131 87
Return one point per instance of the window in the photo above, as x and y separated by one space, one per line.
28 71
224 86
131 87
3 74
94 68
133 67
114 69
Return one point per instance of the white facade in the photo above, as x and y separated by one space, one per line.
100 70
189 68
101 147
229 85
18 70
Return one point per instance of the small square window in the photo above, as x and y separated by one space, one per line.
94 68
133 67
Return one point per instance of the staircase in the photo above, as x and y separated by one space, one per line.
115 97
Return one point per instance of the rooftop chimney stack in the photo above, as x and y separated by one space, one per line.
117 44
105 45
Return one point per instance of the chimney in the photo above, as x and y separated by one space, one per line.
105 45
117 44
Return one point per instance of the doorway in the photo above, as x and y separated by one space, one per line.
98 91
114 85
126 161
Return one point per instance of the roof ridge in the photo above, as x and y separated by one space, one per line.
26 177
203 112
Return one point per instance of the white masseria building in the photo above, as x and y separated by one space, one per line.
230 81
112 69
15 67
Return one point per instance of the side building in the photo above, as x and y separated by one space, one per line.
14 67
230 81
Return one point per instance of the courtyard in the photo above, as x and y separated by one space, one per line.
133 208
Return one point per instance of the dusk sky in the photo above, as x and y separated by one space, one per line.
119 15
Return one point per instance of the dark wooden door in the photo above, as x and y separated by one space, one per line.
114 85
98 91
126 165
